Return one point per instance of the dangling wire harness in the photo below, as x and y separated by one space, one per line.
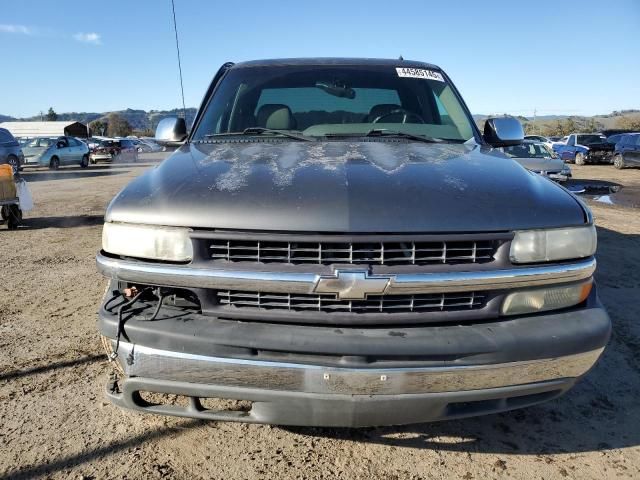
125 304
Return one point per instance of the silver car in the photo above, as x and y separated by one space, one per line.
539 158
54 153
33 148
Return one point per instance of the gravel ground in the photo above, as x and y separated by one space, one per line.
56 423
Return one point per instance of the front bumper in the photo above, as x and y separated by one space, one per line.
471 369
37 161
599 157
338 407
101 156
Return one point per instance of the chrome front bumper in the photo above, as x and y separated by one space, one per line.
288 282
295 394
147 362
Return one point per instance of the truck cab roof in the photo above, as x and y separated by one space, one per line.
324 61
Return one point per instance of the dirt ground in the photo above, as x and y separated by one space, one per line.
56 423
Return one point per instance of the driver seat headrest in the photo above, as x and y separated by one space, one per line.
275 116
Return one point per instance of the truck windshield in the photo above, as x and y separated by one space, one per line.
322 100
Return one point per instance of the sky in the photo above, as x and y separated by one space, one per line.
577 57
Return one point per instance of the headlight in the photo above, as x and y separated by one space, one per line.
543 299
146 241
529 246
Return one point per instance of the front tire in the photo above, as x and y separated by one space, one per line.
14 162
15 217
54 164
85 161
618 162
580 159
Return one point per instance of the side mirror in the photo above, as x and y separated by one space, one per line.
503 131
171 131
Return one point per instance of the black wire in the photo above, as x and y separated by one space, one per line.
116 295
121 318
158 307
175 29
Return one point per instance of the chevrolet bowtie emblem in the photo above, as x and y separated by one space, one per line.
352 285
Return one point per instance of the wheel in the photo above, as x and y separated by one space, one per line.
14 162
580 158
140 150
54 164
618 161
15 217
85 161
4 212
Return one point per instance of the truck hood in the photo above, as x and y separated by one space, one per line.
376 186
541 164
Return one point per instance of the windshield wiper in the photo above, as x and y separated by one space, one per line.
383 132
261 130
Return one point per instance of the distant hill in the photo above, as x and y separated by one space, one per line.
544 124
565 124
138 119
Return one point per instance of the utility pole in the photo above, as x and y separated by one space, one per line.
534 121
40 115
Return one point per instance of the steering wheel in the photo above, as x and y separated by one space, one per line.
406 114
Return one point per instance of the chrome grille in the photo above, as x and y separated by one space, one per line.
370 253
372 304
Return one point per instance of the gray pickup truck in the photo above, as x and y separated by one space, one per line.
335 243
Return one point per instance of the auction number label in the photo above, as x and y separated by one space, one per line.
419 73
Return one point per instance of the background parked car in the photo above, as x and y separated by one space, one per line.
145 146
616 137
155 147
627 151
140 146
10 151
34 148
583 148
63 151
104 150
122 149
128 150
540 139
539 158
93 142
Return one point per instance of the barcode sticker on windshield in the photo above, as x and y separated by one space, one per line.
419 73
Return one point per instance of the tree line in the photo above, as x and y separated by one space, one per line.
113 125
566 126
